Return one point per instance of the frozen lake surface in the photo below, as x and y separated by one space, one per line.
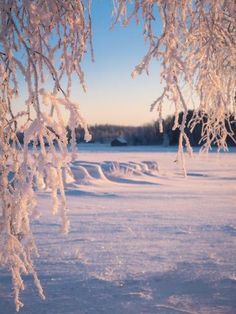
143 238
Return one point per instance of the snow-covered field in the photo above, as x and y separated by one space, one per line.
143 238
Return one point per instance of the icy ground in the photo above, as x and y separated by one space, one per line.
143 239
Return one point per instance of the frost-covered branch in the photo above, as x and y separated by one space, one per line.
197 49
42 44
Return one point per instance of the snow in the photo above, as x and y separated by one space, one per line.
143 238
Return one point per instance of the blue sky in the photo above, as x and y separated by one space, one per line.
112 95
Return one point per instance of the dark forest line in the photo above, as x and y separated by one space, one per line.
148 134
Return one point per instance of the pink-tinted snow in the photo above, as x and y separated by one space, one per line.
143 238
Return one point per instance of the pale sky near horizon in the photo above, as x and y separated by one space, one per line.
113 96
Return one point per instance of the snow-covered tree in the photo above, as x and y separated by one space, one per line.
196 49
42 44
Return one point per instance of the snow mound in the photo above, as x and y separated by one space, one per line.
81 175
90 173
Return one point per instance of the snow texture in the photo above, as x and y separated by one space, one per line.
143 238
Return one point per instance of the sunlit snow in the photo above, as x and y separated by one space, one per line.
143 238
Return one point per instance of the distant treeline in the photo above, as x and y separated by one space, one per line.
148 134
